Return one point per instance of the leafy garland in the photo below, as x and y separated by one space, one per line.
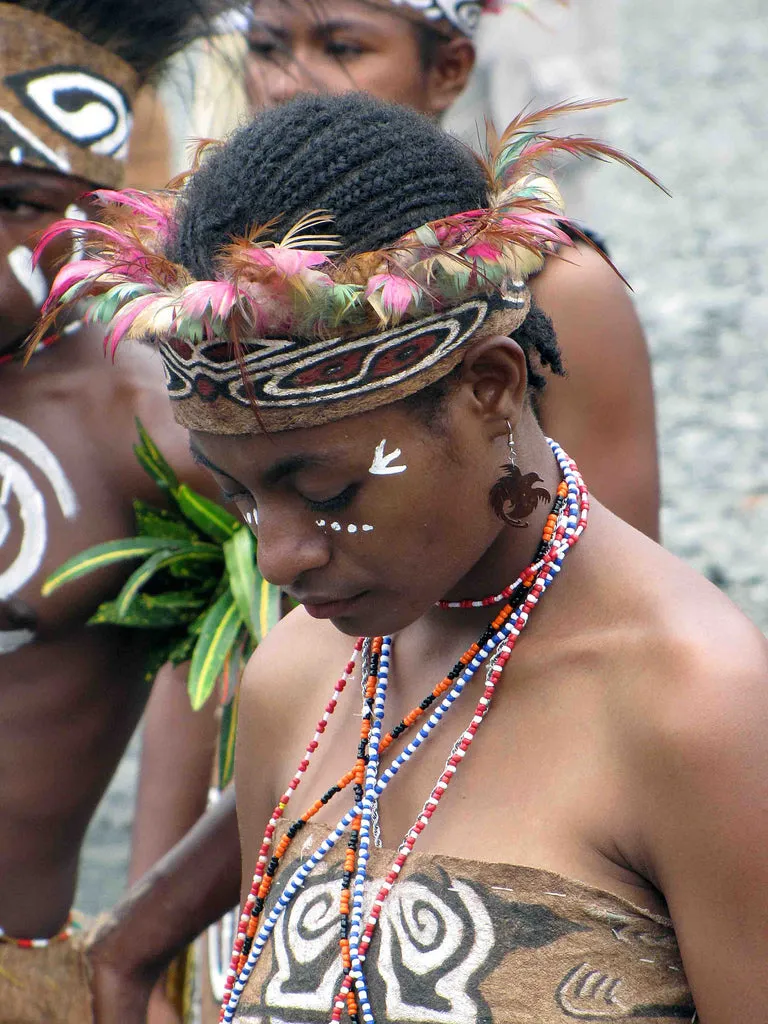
198 591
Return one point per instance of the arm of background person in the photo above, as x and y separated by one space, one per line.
186 891
178 747
602 412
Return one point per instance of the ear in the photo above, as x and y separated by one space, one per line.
448 74
495 380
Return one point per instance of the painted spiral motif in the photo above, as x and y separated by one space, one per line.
21 499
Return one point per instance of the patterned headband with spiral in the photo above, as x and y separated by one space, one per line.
292 334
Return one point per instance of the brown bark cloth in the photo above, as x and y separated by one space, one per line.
463 941
48 985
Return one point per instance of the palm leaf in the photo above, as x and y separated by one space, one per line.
147 612
159 561
240 560
153 461
102 555
152 521
217 635
214 521
227 735
269 601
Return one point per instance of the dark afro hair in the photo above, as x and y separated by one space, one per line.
379 169
144 33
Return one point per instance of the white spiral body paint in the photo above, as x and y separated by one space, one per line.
16 482
30 277
382 464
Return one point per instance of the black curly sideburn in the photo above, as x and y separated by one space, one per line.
380 169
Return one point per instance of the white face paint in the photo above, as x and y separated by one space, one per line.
17 488
30 277
382 464
73 212
252 517
338 528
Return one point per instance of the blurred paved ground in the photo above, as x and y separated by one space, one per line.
695 72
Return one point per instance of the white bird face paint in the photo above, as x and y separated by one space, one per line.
31 278
21 496
382 464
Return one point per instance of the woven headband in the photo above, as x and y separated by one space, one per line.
65 103
290 334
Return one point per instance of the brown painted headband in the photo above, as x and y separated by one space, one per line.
65 103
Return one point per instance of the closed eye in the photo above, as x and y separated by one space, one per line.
335 504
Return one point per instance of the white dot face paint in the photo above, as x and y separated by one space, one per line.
30 277
382 464
18 490
338 528
252 517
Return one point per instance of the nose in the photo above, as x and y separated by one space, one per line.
290 544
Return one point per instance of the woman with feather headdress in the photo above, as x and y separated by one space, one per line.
70 695
502 763
421 53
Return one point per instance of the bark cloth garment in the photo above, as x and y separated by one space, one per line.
465 942
45 985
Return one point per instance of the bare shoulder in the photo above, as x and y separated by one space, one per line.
281 694
296 655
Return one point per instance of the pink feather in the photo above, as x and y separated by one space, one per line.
288 262
142 203
123 321
82 272
397 293
220 297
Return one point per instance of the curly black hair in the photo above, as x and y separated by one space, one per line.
379 169
144 33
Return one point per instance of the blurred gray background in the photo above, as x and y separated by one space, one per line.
695 73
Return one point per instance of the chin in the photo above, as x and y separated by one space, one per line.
381 621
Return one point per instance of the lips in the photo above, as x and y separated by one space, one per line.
328 607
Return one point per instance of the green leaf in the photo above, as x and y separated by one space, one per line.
269 600
102 555
240 559
212 519
153 461
147 613
158 655
190 554
227 735
182 650
159 522
219 632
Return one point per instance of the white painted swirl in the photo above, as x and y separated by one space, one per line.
19 489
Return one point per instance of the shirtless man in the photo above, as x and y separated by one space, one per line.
71 695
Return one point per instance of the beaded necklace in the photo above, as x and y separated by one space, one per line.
65 933
18 356
564 526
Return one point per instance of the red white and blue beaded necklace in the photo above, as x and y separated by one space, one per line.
565 524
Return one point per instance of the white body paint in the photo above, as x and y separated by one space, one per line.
17 484
30 277
382 464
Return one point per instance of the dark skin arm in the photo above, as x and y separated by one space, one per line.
185 892
602 411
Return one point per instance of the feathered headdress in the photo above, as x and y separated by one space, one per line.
310 334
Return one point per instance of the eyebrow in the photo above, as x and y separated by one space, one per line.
277 471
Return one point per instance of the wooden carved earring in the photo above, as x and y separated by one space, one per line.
515 496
